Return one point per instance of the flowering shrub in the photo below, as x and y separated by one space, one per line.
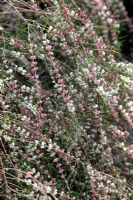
66 107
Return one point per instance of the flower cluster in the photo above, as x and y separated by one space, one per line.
66 97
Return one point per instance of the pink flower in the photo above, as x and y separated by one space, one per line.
34 69
60 81
48 198
56 160
28 174
60 171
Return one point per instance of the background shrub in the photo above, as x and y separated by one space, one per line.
66 102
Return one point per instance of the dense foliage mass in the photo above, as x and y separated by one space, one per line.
66 101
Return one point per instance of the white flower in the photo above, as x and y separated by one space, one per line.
1 28
118 64
12 41
72 13
131 172
44 197
100 89
50 147
9 71
19 128
17 54
28 89
36 142
24 118
35 185
55 192
7 138
120 107
50 28
44 42
23 88
33 170
52 154
91 53
20 69
112 185
117 25
29 181
55 2
24 72
42 147
48 189
32 89
85 70
48 42
43 143
109 20
12 145
23 130
70 106
56 85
